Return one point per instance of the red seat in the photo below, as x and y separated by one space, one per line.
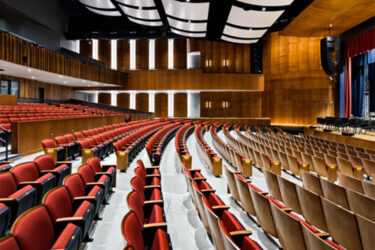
4 218
155 239
109 170
5 167
60 207
28 174
147 179
35 230
146 192
71 147
90 179
46 164
50 146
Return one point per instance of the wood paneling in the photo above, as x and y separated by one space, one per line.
240 104
123 55
180 105
179 53
191 79
237 55
27 136
123 100
104 98
104 52
161 105
29 89
30 55
85 48
161 54
297 90
141 102
223 120
8 100
343 15
141 59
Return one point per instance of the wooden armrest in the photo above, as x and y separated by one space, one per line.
287 209
152 202
69 163
7 162
69 219
220 207
152 186
48 171
263 193
152 167
200 179
240 233
7 201
194 170
322 235
102 173
95 183
24 183
64 145
83 198
155 225
208 190
236 172
152 175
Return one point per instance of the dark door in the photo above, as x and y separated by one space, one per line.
41 95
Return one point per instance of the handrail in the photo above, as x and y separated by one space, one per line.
5 141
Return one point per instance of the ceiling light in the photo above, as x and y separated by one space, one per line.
264 9
65 82
60 76
33 77
83 80
29 70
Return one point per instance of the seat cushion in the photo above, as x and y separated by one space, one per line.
155 181
214 200
160 241
23 191
156 194
249 244
9 243
94 191
103 179
156 214
44 178
82 209
230 222
61 167
69 234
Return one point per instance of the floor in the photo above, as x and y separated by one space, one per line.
184 225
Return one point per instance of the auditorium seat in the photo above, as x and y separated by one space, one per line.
60 207
272 184
91 180
349 182
147 180
35 230
78 192
289 194
361 204
334 193
50 147
70 147
5 167
345 167
153 237
154 170
109 170
317 241
146 192
232 183
5 214
323 169
368 189
28 174
203 190
311 182
71 139
369 167
46 164
244 193
367 231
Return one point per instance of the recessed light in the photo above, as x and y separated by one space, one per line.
29 70
60 76
251 29
33 77
83 80
264 9
65 82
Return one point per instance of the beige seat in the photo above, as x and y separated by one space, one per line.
368 189
198 198
293 164
311 182
306 158
244 193
350 183
342 225
272 184
311 208
367 232
314 241
361 204
284 160
289 194
329 171
263 212
232 183
369 166
354 160
330 160
344 166
334 193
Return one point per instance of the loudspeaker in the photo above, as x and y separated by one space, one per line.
327 47
256 57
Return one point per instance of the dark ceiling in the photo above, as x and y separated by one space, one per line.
85 24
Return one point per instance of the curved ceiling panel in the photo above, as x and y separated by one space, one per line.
243 33
268 2
104 12
186 10
198 27
143 3
101 4
152 23
141 14
252 18
233 40
188 34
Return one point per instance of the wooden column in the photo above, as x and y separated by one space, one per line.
141 102
161 54
123 55
180 105
123 100
179 54
141 60
85 48
161 105
104 98
104 47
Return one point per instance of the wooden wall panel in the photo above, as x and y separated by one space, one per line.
179 53
240 104
191 79
180 105
141 59
161 54
161 105
297 90
123 55
85 48
141 102
123 100
104 98
104 52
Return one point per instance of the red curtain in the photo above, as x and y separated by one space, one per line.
355 46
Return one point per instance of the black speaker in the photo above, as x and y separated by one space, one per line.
327 47
256 57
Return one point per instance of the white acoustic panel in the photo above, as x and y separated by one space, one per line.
252 18
186 10
142 14
268 2
102 4
188 34
233 40
148 23
243 33
187 26
143 3
104 12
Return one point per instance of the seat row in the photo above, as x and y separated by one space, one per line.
144 226
64 218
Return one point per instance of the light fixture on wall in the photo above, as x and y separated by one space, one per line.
225 104
208 63
208 104
226 62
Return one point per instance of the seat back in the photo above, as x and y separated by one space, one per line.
69 138
213 220
311 208
313 241
289 193
136 205
361 204
75 185
198 198
86 173
231 183
48 143
342 225
34 229
132 231
366 230
334 193
311 182
45 162
344 166
368 189
319 166
78 135
9 242
58 203
244 193
272 184
25 172
349 182
61 140
8 184
95 164
138 186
